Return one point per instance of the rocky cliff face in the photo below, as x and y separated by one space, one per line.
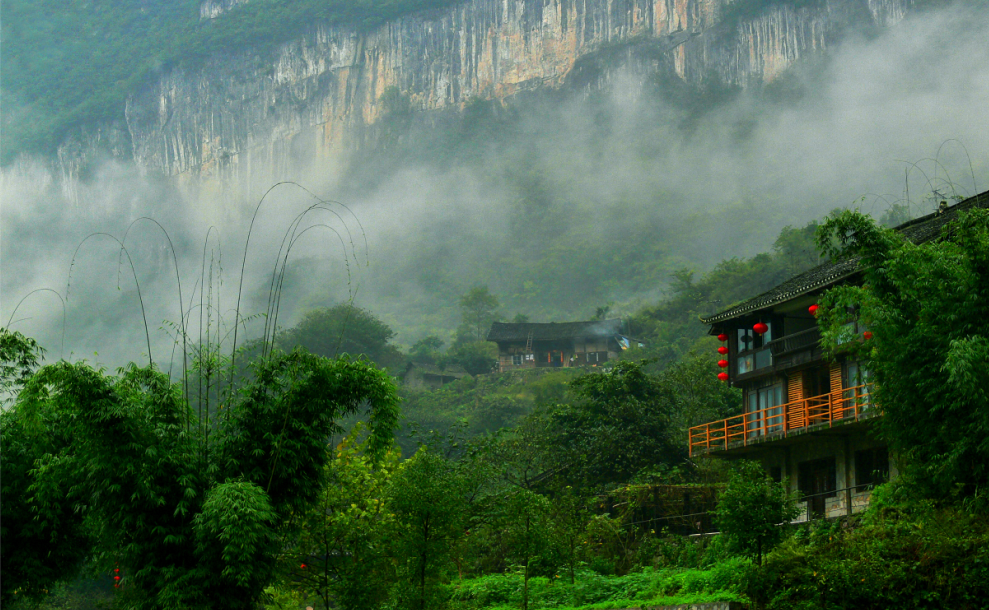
246 118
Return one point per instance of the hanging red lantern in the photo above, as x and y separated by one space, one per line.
303 566
722 363
813 309
722 337
116 570
722 350
867 334
760 328
116 578
723 376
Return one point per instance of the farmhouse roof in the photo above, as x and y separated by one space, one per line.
553 331
918 230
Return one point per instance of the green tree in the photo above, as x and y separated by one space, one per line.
426 350
192 515
341 551
343 329
476 357
39 544
926 308
751 509
617 424
525 519
427 497
478 309
570 517
696 394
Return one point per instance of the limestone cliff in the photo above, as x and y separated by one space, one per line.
247 117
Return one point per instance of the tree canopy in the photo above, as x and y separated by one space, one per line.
926 308
343 329
116 469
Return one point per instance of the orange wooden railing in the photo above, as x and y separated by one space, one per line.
839 406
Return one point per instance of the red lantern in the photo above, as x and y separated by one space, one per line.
723 376
812 309
760 328
722 350
116 570
722 337
722 363
867 334
116 578
303 566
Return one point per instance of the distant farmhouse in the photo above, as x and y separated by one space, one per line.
806 417
558 344
420 376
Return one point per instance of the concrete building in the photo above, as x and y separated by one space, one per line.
806 418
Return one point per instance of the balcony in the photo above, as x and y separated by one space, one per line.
839 407
797 341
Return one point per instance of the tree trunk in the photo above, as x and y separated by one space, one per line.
423 558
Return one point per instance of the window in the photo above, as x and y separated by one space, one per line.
764 411
817 480
517 359
752 353
856 376
776 473
871 468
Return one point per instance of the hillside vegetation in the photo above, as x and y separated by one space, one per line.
69 64
547 491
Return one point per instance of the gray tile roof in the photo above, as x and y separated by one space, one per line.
918 230
553 331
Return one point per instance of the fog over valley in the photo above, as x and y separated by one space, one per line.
560 201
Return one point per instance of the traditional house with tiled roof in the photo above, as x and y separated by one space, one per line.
806 417
557 344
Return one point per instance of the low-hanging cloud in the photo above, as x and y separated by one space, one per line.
553 220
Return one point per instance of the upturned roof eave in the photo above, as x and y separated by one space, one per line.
754 304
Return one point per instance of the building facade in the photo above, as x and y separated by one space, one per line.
557 344
806 417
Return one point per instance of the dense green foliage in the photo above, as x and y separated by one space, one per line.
903 554
114 469
521 490
69 64
343 329
751 508
926 308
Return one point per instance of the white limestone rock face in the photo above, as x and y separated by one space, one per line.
211 9
246 118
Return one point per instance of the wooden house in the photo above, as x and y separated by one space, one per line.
419 376
557 344
806 417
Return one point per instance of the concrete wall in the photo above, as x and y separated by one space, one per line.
814 447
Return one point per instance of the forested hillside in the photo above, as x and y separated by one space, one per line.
551 491
69 65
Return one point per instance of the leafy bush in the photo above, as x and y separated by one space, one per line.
724 582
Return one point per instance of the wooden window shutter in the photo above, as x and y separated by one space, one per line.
836 385
795 387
